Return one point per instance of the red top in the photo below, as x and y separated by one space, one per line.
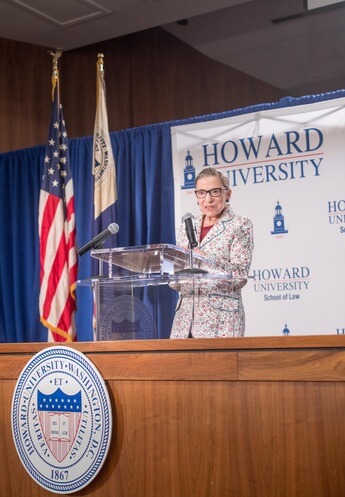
204 231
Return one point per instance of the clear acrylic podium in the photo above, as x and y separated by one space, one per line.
136 291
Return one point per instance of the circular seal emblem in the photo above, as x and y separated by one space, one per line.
61 419
101 170
124 318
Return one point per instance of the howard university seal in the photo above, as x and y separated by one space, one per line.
61 419
125 318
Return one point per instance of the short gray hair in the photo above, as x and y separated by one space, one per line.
212 171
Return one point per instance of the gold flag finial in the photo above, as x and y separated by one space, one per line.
100 71
55 74
100 62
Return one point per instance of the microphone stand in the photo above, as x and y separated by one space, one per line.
191 262
191 269
192 242
100 269
100 261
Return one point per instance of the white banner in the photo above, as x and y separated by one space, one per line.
286 168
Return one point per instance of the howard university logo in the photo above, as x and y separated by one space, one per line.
126 318
61 419
59 415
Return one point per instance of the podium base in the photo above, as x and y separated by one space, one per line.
192 271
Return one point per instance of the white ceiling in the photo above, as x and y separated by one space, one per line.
304 54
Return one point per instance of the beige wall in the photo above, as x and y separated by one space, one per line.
151 77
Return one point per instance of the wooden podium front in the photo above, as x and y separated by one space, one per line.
232 417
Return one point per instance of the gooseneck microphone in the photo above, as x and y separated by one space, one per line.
190 230
99 239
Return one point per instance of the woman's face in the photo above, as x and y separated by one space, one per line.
212 206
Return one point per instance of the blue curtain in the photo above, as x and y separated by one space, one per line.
144 212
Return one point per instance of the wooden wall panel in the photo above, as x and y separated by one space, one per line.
25 95
78 86
173 81
151 77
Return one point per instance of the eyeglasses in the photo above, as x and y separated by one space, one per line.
215 192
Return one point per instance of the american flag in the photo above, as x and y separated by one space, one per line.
58 256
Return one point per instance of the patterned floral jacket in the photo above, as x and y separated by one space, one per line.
215 309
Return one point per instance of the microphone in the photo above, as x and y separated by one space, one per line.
190 230
99 239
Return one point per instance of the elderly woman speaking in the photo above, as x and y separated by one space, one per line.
215 309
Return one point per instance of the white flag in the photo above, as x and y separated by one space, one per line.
105 191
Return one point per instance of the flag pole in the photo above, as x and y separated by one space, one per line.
100 63
57 231
100 72
104 172
103 163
